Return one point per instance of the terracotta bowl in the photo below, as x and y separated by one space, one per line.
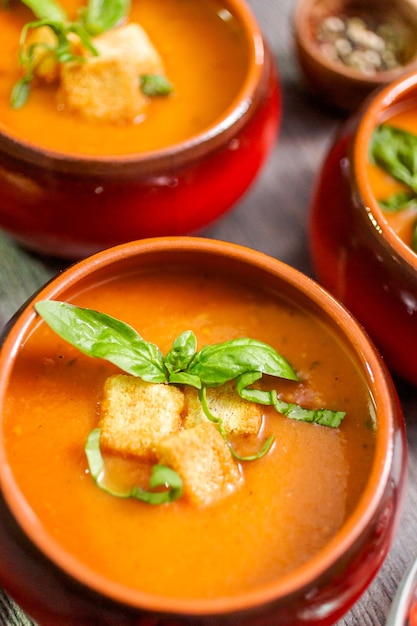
337 84
356 254
53 587
73 205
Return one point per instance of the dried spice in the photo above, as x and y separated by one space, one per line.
361 43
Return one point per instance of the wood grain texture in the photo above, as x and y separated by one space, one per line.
272 218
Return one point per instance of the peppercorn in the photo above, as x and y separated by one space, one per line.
361 43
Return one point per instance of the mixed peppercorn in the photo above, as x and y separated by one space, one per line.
361 43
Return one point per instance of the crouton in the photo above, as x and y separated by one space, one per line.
107 87
239 416
135 415
203 460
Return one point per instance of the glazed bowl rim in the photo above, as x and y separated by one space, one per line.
381 391
301 26
210 137
372 114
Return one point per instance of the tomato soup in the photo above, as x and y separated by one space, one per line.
292 501
383 185
205 55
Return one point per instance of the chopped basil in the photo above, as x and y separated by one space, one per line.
155 85
161 476
47 10
394 150
102 15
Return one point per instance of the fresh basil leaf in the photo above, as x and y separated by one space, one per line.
154 85
20 92
202 395
47 10
398 202
216 364
395 151
102 15
161 476
183 350
102 336
183 378
324 417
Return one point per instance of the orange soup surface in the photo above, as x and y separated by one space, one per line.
383 185
205 56
292 501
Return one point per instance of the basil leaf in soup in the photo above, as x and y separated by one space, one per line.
218 363
161 476
102 15
395 151
47 10
102 336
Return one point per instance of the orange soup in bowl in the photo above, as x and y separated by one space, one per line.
203 50
392 172
288 504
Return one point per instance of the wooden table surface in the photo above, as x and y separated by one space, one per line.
273 218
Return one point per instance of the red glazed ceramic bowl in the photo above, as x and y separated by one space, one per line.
73 205
357 256
341 84
54 587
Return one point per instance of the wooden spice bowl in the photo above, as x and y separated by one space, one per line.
340 85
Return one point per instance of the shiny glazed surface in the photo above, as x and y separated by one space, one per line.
349 562
356 255
69 206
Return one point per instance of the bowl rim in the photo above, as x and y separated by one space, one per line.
381 390
209 138
372 113
306 41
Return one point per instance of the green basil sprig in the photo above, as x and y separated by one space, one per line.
47 10
161 476
394 150
243 360
102 15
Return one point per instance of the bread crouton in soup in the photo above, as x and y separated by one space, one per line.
135 415
106 87
203 460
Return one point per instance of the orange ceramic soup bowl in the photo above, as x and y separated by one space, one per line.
277 550
71 187
357 254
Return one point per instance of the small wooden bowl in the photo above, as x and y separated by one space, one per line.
331 80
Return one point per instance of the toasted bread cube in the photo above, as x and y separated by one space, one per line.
203 460
107 87
132 43
240 417
135 415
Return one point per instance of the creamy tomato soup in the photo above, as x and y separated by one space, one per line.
292 501
383 185
205 57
